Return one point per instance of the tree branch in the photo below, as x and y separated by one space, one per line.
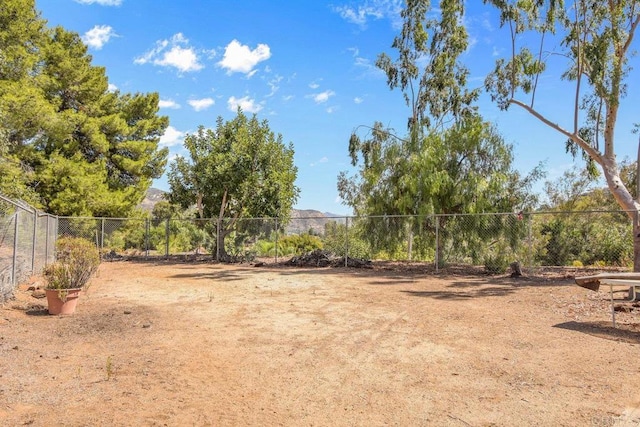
576 107
634 25
535 83
593 153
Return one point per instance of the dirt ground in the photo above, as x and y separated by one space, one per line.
176 344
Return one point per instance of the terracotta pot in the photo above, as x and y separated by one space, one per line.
62 301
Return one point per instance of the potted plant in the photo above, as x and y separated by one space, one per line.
77 260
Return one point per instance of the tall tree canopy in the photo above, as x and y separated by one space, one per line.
451 161
463 169
84 150
239 169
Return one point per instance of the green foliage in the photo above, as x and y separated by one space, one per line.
343 241
298 244
164 210
465 169
427 71
82 149
598 238
588 239
496 263
77 260
240 169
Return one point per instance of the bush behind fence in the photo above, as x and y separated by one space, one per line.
598 238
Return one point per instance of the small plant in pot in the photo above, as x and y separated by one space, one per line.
77 260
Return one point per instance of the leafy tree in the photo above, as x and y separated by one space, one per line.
164 210
87 151
597 40
240 169
13 176
428 73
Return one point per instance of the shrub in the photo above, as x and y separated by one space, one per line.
77 261
495 264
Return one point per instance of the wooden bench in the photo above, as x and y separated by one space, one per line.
630 281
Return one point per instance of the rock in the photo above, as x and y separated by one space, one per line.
34 286
516 269
39 293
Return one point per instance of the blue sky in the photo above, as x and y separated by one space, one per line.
305 66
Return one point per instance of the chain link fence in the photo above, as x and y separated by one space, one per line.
599 239
27 243
492 241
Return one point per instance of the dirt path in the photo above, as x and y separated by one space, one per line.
215 345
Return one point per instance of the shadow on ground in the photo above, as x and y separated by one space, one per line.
628 333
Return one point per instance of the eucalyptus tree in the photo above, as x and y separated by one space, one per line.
239 169
597 42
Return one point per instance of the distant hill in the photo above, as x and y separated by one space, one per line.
153 196
302 220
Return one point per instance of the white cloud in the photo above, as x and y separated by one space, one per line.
274 84
372 9
247 104
201 104
365 64
239 58
112 88
98 36
171 137
101 2
321 160
358 100
322 97
175 52
314 85
183 59
168 103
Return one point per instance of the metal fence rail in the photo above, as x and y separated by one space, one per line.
539 239
27 243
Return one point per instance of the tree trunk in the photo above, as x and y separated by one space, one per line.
624 198
221 252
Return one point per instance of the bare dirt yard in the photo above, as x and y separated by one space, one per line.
201 344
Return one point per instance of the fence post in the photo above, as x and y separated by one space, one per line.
276 246
55 240
437 242
218 240
33 242
15 248
530 241
102 236
146 238
166 235
46 243
346 247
